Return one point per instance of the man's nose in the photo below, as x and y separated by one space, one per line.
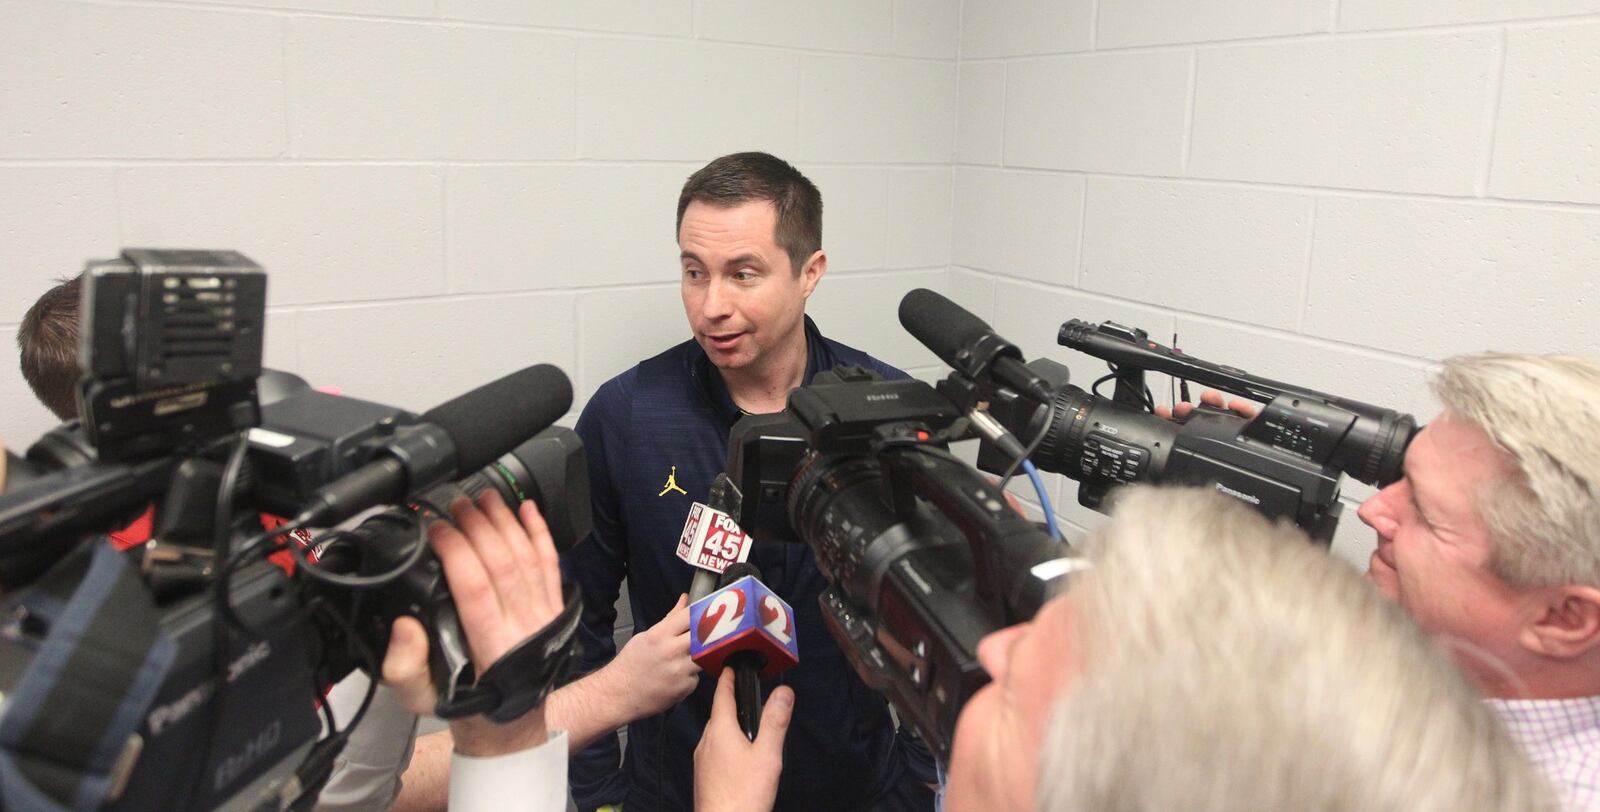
718 302
994 650
1378 511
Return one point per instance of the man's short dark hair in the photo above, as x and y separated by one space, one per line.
48 339
745 176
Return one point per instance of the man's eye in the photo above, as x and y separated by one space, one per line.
692 273
743 276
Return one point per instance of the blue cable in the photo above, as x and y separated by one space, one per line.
1044 499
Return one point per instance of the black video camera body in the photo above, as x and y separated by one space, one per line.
922 553
199 659
1286 461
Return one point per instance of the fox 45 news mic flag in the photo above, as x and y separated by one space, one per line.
711 539
743 616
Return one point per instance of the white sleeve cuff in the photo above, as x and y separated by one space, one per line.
532 780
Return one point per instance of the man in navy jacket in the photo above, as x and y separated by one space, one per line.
749 233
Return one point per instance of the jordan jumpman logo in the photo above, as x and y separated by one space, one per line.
672 483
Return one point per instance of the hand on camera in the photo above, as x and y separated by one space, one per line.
504 576
730 771
1182 410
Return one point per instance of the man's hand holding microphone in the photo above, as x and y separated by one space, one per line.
741 633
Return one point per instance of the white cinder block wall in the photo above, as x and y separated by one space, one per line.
1330 192
1334 193
444 191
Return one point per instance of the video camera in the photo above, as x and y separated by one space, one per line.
1286 461
922 554
187 673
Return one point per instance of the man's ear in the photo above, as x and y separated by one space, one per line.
811 273
1565 622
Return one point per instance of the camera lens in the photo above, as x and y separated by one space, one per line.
827 489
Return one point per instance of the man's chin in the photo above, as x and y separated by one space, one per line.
724 359
1383 577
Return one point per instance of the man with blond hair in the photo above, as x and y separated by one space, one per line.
1491 541
1209 661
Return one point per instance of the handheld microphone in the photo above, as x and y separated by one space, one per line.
711 542
747 627
453 439
969 346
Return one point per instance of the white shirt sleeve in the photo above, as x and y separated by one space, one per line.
532 780
367 774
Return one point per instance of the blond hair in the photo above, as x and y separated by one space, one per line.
1230 664
1543 411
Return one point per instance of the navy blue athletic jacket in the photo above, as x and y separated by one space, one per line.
668 418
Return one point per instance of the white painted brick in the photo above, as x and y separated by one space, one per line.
281 341
386 8
905 113
981 117
862 311
1014 27
632 106
324 233
1364 14
671 18
458 93
1547 136
860 26
1432 279
1236 253
1030 317
854 210
370 8
527 228
620 328
91 81
973 291
930 28
53 220
22 417
1390 113
920 212
416 355
1123 23
1103 112
1308 363
1020 224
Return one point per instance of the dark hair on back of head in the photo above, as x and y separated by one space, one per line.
745 176
48 339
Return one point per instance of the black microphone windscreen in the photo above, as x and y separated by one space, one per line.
940 324
737 570
498 416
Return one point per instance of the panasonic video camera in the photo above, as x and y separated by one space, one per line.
1286 461
922 554
188 672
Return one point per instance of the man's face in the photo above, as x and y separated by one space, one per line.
740 291
1434 548
994 763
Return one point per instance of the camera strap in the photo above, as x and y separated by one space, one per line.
68 731
523 676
